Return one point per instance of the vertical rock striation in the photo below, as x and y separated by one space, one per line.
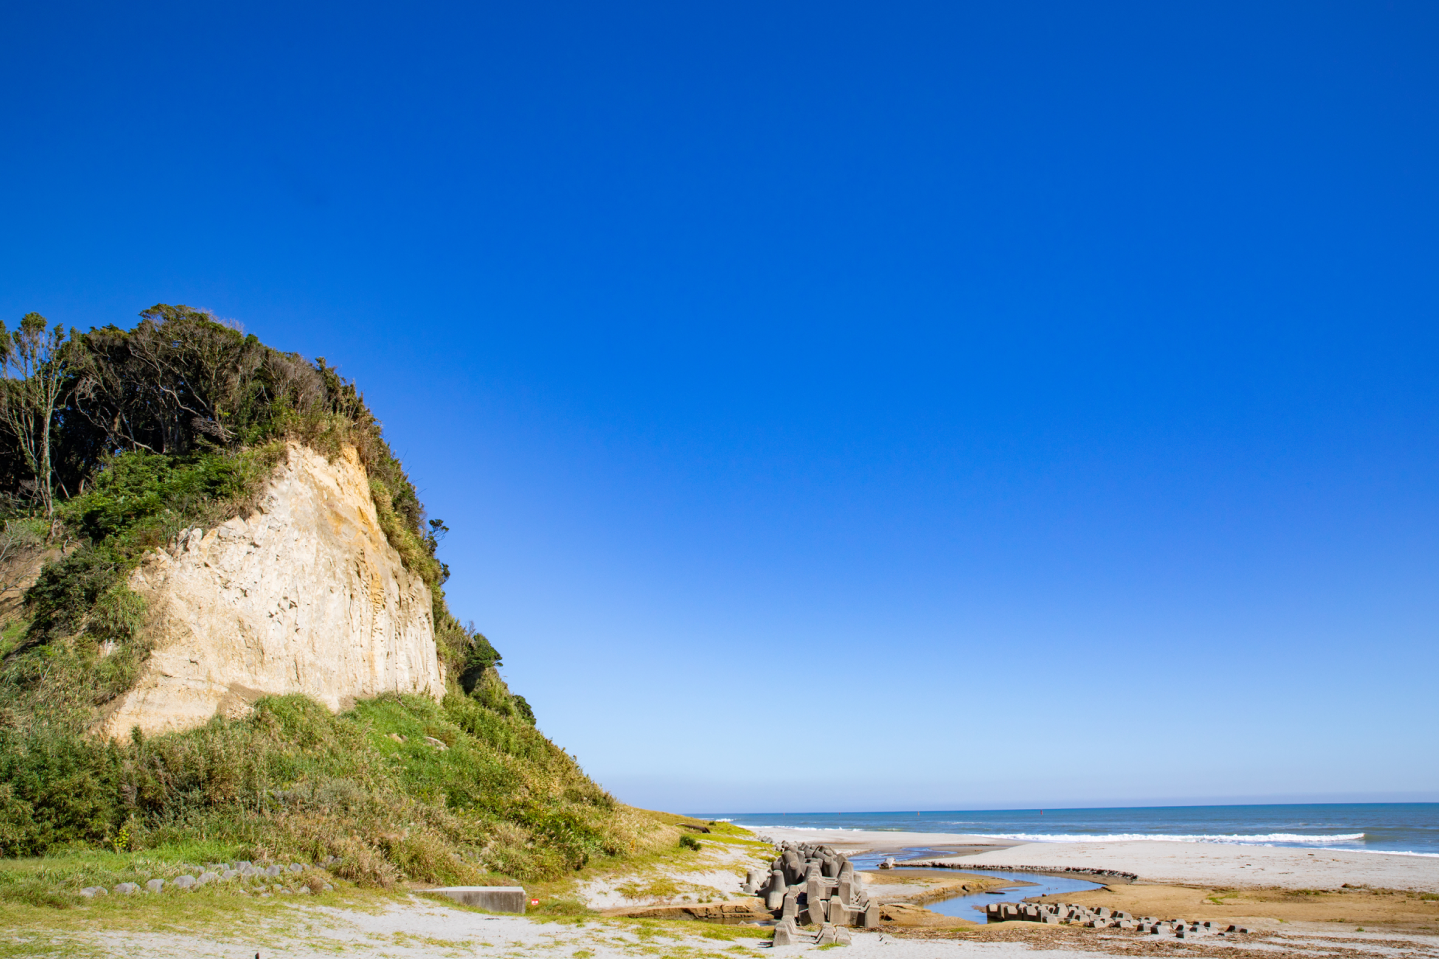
305 596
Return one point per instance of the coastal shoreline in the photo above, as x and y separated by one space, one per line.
1153 861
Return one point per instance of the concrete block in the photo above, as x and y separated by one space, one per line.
785 934
774 897
491 898
789 908
826 935
871 916
837 912
845 891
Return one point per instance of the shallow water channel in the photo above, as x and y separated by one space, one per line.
971 906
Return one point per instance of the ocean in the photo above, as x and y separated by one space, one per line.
1409 828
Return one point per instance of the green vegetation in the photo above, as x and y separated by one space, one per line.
114 442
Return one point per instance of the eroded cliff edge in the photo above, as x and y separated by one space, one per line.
306 595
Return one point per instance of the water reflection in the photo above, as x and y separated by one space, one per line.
971 906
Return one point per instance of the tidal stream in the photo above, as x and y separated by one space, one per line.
971 906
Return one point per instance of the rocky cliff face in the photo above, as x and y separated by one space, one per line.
305 596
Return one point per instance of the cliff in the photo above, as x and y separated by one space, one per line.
306 596
218 550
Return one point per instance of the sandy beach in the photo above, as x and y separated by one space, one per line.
851 841
1154 861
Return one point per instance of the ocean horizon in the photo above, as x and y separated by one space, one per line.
1403 828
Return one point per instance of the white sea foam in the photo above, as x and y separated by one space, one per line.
1262 840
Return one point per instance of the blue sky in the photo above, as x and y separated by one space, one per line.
835 406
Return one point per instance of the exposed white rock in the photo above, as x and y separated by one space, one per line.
305 596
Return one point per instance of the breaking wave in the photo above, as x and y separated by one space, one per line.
1238 840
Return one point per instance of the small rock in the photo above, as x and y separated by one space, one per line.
207 877
126 889
183 882
230 874
90 892
329 888
296 867
154 885
272 870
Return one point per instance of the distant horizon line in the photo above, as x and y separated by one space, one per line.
922 812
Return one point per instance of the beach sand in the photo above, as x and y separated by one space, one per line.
1214 864
1163 862
852 841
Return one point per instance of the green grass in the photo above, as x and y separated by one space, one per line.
295 782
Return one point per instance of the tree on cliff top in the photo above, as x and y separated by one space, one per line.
36 364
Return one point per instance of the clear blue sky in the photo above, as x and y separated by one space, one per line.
835 405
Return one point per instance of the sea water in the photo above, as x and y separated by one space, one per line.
1409 828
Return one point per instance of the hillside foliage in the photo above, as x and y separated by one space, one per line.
112 442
